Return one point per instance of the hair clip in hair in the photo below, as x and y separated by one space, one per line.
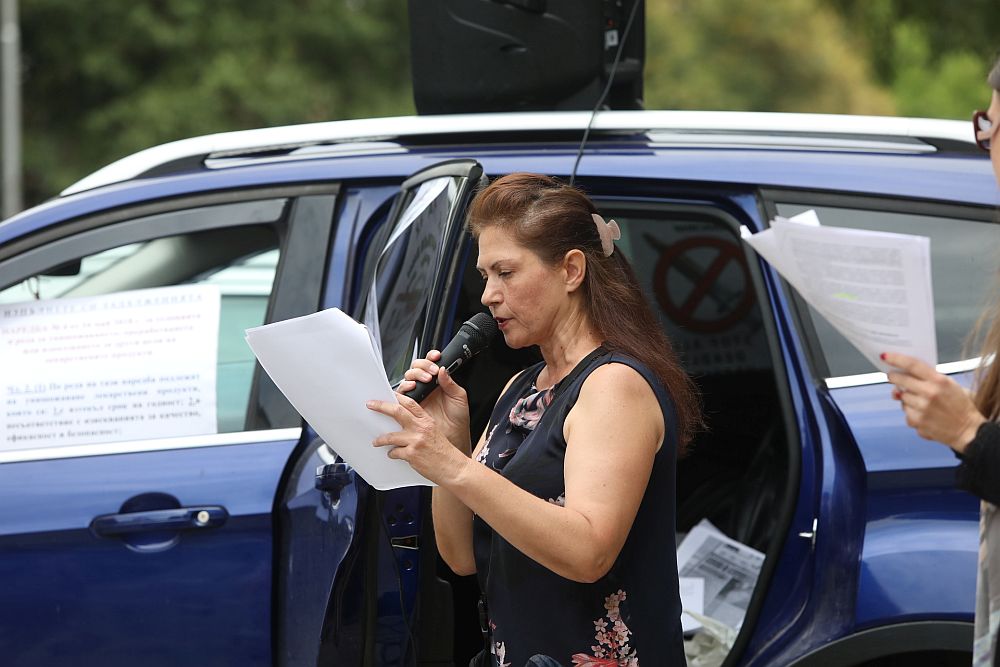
609 233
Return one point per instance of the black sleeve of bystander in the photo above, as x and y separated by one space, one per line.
979 472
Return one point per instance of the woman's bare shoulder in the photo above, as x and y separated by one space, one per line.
616 396
618 378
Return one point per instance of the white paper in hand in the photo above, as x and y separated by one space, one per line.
325 366
872 287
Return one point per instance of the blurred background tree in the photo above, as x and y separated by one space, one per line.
757 55
105 79
932 56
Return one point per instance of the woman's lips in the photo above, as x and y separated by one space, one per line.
502 321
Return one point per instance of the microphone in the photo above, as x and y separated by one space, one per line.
472 338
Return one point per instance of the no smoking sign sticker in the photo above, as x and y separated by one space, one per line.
702 283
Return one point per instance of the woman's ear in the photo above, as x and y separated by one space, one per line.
575 268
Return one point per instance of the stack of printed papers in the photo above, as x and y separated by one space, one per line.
873 287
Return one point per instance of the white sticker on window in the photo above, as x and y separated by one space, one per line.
126 366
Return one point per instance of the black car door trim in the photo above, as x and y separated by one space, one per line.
134 230
166 205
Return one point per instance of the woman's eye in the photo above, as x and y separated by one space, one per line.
504 274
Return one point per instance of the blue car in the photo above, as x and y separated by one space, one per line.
159 497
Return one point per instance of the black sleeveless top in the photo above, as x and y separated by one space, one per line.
631 616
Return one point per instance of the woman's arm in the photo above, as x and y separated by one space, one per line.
452 519
612 435
940 409
453 526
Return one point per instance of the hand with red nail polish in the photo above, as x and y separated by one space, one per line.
935 405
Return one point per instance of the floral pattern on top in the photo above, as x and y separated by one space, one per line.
500 651
528 411
485 451
612 635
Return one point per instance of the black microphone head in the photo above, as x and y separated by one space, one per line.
481 329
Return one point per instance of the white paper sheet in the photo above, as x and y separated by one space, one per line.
124 366
692 599
873 287
325 365
728 568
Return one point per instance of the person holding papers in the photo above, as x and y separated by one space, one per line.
939 409
565 507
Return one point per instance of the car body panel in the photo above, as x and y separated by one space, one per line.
883 440
792 623
904 553
63 583
917 520
945 178
674 126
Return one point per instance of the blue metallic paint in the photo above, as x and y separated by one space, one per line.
918 524
62 583
919 565
785 614
313 537
945 178
885 442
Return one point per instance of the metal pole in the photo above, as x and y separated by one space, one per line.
10 91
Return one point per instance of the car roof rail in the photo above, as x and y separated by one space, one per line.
740 129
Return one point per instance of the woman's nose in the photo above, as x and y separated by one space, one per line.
491 296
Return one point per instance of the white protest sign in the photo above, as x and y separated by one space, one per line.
126 366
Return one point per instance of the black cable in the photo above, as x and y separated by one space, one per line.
607 89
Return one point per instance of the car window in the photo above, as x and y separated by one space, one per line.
143 339
693 269
964 256
406 267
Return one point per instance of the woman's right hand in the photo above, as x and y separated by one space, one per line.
935 405
448 404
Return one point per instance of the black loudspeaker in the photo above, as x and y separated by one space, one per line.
524 55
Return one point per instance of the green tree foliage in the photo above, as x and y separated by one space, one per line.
756 55
105 79
933 56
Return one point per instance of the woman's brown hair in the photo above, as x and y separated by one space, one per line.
551 218
987 329
993 78
986 381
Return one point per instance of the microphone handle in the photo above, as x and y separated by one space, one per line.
455 354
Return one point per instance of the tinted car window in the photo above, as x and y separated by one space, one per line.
406 271
964 256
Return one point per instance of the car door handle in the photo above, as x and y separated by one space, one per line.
181 518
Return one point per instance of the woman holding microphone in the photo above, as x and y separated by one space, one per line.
565 507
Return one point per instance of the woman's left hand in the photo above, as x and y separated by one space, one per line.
935 405
420 443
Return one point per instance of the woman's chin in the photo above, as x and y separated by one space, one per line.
513 342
